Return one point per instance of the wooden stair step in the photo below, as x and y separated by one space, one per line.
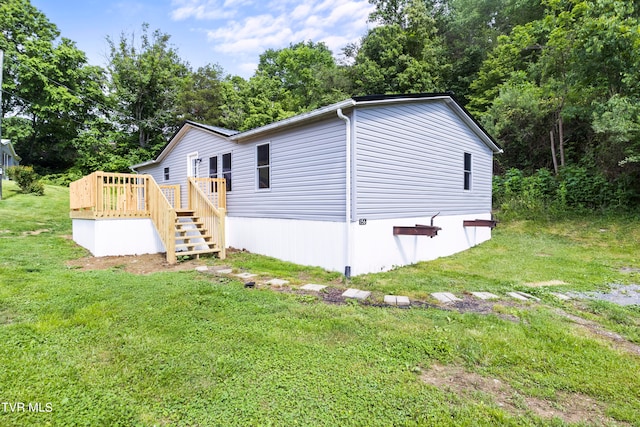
205 237
184 212
193 245
191 217
199 252
198 224
183 231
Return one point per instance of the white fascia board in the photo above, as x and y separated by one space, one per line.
141 165
173 142
293 120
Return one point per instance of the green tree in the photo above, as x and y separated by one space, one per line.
146 80
581 61
50 89
201 97
403 55
471 29
305 75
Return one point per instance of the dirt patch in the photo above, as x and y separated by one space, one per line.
474 305
36 232
594 328
135 264
569 407
6 317
547 283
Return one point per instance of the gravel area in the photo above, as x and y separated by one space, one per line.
619 294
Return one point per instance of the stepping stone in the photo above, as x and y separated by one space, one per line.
522 296
225 271
445 297
516 295
402 301
246 275
313 287
485 295
277 283
529 296
202 268
356 293
560 296
396 300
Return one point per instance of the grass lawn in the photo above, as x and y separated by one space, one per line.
110 348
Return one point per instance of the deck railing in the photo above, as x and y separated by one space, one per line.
214 189
207 200
109 195
172 193
164 216
117 195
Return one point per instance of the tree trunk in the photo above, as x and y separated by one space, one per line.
553 152
561 138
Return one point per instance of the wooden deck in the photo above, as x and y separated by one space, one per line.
124 196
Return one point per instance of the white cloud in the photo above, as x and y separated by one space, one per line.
201 10
252 26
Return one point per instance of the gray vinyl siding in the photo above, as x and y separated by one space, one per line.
410 162
307 166
195 140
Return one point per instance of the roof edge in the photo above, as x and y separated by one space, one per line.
294 119
449 97
12 150
225 133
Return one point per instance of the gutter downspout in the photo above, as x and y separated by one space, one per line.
347 268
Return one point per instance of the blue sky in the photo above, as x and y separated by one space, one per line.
231 33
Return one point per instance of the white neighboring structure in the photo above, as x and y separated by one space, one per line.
331 187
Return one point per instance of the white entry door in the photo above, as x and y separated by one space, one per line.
193 163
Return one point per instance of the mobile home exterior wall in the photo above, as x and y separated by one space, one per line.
410 163
306 169
411 158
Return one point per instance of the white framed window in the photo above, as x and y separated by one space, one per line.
467 171
263 167
193 163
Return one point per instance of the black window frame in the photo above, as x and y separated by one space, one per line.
227 165
468 164
263 166
166 173
213 172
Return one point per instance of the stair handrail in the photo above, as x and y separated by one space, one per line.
206 211
163 216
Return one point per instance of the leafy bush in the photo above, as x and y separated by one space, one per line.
64 179
27 179
575 189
